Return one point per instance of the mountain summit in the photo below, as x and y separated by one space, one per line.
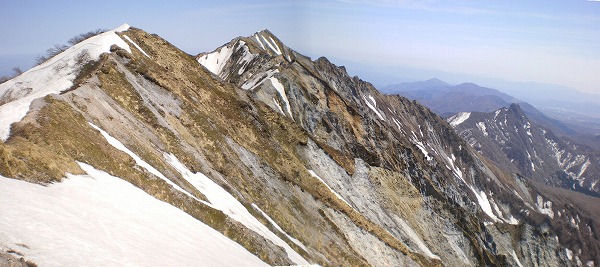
253 155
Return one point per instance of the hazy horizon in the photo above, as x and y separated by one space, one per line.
552 42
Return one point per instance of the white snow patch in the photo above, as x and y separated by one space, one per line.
421 147
482 128
136 46
583 168
278 106
496 208
373 106
484 203
530 161
273 46
122 28
246 59
258 79
544 207
281 90
215 61
328 187
569 254
512 220
457 172
277 50
294 240
259 41
101 220
225 202
528 129
397 124
514 255
415 238
51 77
496 114
459 118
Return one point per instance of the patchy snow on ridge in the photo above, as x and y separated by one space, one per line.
281 90
215 61
273 46
544 207
459 118
569 254
101 220
484 203
421 147
278 106
258 79
220 199
246 59
259 41
514 255
373 106
51 77
262 40
140 162
416 239
294 240
328 187
122 28
136 46
482 128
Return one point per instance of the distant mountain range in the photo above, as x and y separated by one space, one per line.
571 111
510 139
447 100
556 153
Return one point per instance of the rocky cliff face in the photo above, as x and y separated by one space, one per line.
286 159
510 139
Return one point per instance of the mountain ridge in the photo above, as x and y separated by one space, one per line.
550 159
292 159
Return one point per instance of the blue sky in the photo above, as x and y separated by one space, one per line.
554 42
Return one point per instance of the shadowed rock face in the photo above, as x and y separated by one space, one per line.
337 173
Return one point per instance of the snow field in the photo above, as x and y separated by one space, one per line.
51 77
101 220
459 118
215 61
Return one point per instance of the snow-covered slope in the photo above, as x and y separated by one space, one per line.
97 219
52 77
